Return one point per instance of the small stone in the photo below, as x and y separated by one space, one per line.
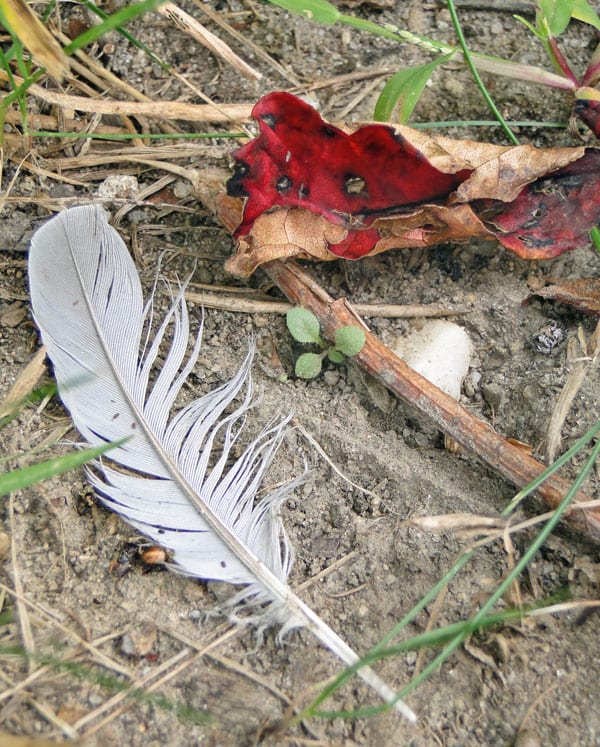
494 395
550 337
331 378
527 738
181 189
118 186
440 351
139 641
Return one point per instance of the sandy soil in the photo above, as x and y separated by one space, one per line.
76 567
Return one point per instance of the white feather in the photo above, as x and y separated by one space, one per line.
174 479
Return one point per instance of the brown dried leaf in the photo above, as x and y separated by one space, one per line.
282 234
582 293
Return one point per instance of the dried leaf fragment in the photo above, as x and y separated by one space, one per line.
583 294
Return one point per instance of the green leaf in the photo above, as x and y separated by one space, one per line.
303 325
556 14
308 365
595 237
404 89
349 340
530 27
335 356
21 478
315 10
583 11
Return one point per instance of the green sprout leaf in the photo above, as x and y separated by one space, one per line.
335 356
349 340
303 325
404 89
308 365
556 14
584 12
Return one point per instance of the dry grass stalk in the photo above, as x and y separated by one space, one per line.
23 613
156 110
150 681
26 382
229 302
258 51
53 618
9 740
582 368
196 30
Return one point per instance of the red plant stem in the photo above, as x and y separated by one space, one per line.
592 73
560 61
474 434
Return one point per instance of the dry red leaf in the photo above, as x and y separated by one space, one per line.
588 110
305 188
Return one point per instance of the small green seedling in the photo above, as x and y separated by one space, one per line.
304 327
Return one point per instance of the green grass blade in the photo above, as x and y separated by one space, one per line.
404 89
315 10
555 14
112 684
116 20
563 459
48 390
595 237
475 73
126 35
21 478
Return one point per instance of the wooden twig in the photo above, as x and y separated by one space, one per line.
453 419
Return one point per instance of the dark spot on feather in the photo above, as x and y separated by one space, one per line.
329 131
115 416
303 192
223 564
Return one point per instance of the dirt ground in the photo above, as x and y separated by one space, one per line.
74 566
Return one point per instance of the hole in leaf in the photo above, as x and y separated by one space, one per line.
355 185
284 184
269 120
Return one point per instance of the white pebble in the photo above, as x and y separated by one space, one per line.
440 351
